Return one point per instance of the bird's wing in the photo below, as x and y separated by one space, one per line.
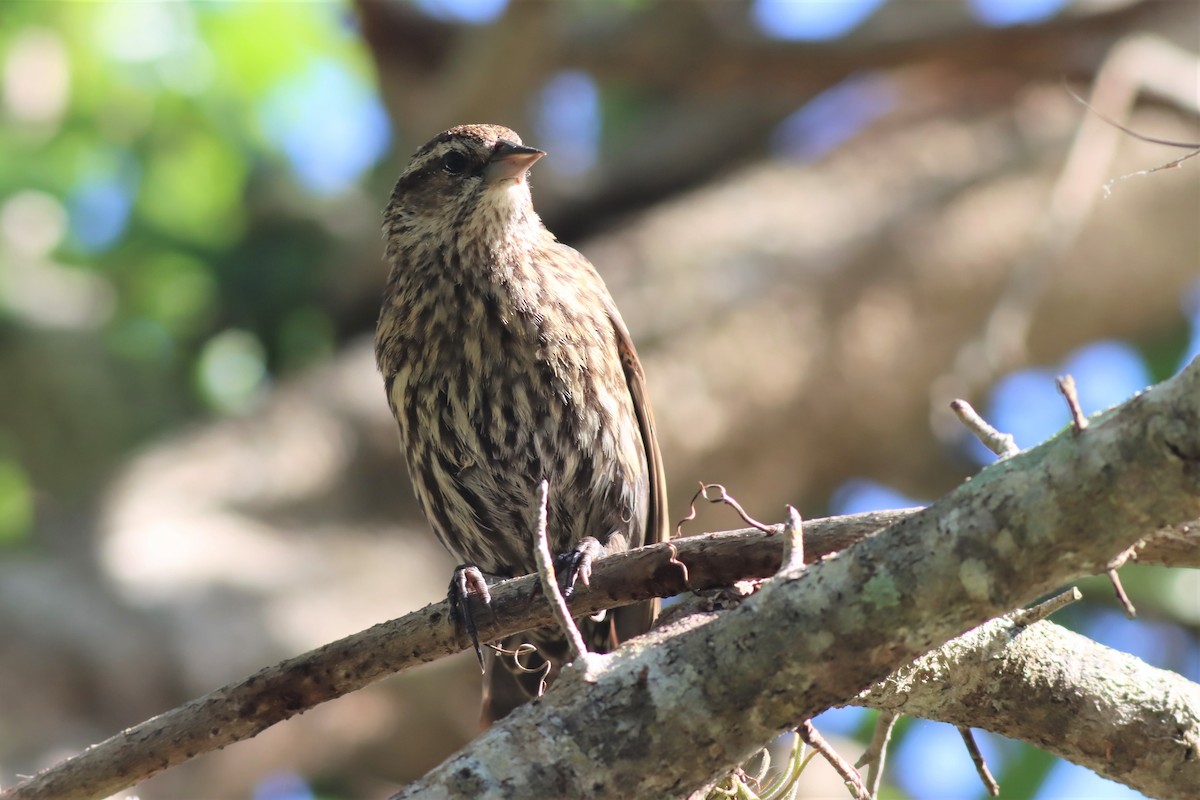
634 620
635 379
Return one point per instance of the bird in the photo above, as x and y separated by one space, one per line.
506 362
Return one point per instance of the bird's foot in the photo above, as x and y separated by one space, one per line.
468 581
576 564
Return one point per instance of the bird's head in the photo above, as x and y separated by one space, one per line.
469 181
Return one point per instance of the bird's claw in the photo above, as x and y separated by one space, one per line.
468 581
576 564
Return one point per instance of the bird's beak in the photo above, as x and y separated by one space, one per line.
510 162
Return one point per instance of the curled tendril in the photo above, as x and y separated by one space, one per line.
525 649
675 562
720 495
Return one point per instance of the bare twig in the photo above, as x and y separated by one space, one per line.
1191 146
1151 139
981 766
874 757
1115 579
1066 387
1002 444
848 773
1173 164
1027 616
793 542
545 565
1122 597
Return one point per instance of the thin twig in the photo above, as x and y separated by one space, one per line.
1027 616
1115 579
1002 444
849 774
875 755
1192 146
1066 387
1122 598
1173 164
981 766
545 565
1126 555
793 542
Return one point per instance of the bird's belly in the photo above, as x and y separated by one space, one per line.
481 443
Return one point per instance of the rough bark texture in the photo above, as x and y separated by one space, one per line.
1077 699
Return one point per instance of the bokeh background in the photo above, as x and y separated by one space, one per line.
822 220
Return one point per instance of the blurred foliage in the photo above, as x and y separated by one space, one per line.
16 506
159 185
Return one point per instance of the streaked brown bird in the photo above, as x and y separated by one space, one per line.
505 363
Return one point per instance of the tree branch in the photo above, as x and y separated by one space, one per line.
1018 530
1062 692
243 709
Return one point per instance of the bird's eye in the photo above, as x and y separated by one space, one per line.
454 162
